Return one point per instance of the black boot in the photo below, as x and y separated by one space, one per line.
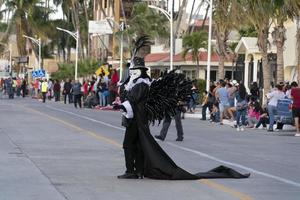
128 175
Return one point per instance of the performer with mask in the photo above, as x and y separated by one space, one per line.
146 101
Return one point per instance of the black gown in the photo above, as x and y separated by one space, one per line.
157 164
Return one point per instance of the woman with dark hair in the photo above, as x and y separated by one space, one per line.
273 98
241 107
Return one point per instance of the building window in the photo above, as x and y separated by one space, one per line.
105 3
191 74
213 75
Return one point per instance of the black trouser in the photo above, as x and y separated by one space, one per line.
167 123
77 99
133 152
204 107
69 95
23 92
264 121
44 96
57 95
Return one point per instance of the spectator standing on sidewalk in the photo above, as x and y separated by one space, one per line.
56 90
67 91
222 97
241 107
194 98
76 89
24 87
44 88
295 94
273 98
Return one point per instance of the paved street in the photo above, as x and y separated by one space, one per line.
53 151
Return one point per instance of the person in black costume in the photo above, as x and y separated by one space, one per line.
133 94
146 101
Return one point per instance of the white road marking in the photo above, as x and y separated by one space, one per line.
290 182
87 118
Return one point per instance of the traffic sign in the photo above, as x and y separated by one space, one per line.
38 73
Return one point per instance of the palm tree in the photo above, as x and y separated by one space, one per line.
224 16
29 17
22 21
258 14
193 43
145 21
284 10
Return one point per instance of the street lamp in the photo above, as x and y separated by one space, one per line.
121 28
170 18
209 47
75 35
39 43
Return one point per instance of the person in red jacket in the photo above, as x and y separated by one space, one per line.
295 94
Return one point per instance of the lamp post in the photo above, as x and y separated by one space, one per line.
121 28
39 43
75 35
209 47
170 18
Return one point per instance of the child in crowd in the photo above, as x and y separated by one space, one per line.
253 114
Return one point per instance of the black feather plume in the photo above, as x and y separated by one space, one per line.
141 42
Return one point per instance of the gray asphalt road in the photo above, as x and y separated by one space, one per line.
54 151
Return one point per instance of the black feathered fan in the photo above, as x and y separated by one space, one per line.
165 94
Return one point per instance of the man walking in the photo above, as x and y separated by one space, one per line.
167 123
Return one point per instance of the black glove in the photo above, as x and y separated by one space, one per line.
119 107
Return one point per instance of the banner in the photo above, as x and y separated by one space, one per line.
100 27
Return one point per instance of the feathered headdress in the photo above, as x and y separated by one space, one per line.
139 62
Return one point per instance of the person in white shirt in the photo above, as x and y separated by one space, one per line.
273 98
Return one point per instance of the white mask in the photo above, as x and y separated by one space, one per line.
134 73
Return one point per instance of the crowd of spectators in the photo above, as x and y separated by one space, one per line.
230 100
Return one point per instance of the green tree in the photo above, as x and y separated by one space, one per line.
145 21
284 10
23 21
225 18
258 14
193 43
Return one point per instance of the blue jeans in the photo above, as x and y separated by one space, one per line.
104 97
241 114
272 112
100 98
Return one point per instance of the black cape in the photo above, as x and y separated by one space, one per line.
157 164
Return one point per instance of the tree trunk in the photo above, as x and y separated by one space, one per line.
279 38
178 21
221 66
263 46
